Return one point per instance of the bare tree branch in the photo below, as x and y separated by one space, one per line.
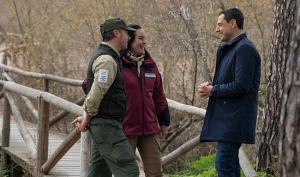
18 17
199 60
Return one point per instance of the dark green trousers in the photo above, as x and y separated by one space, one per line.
111 152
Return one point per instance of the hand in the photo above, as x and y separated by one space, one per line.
201 86
205 89
81 123
163 131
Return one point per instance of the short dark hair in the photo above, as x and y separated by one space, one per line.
234 13
131 34
107 35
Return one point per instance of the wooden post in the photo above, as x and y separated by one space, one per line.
21 125
43 134
5 159
6 124
46 85
2 92
3 60
85 153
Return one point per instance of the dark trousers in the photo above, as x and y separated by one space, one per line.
111 152
227 159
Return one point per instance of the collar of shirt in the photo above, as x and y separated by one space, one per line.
236 38
105 43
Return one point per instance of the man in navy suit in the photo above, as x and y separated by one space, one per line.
232 107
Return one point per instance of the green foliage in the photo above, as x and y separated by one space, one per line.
264 174
3 172
211 172
204 164
205 167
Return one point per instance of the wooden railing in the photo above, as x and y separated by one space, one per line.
44 99
44 165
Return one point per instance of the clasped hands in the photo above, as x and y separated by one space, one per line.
205 89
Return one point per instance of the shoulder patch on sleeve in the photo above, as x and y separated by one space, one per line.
103 75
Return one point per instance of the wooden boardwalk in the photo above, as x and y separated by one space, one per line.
68 166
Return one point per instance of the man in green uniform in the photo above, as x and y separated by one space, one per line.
104 106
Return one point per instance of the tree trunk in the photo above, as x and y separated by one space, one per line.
284 21
289 142
200 63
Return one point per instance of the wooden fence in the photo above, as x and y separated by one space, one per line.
44 99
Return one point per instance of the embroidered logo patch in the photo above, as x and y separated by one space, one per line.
103 75
150 75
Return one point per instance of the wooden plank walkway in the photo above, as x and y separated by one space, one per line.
68 166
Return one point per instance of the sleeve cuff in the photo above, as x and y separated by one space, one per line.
164 117
87 111
214 90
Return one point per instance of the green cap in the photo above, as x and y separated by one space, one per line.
114 23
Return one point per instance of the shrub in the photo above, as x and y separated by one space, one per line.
205 167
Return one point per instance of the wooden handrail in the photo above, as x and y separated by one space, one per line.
246 164
28 103
48 97
186 147
64 147
33 110
52 77
172 104
55 100
62 114
186 108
